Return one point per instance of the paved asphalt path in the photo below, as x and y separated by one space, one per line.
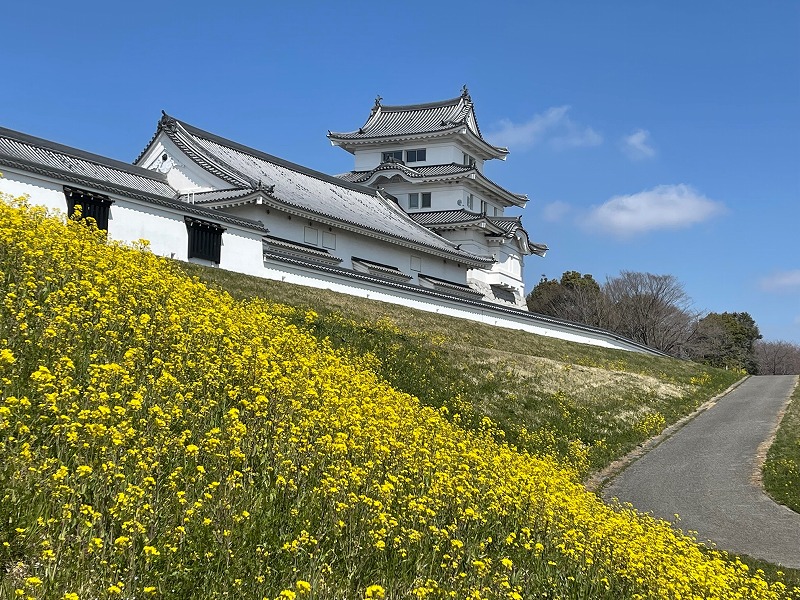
704 473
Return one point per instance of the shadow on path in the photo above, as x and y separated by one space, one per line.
705 474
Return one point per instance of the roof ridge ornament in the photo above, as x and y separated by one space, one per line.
465 93
167 122
377 105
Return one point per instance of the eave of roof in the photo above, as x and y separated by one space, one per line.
432 173
73 165
392 123
457 219
460 132
189 139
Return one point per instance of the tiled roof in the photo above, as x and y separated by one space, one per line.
274 246
459 289
513 227
381 269
25 151
443 218
437 172
419 172
293 186
63 163
507 224
418 119
216 195
488 308
507 227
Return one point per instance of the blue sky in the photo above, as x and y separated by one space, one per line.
658 137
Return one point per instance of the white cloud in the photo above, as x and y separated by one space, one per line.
663 207
784 280
554 126
555 211
638 146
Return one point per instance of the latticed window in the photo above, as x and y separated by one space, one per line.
92 206
205 239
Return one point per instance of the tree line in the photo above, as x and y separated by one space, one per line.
655 310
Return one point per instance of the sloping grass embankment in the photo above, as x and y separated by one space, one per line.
159 439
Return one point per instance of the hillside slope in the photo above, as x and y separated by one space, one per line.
160 439
586 404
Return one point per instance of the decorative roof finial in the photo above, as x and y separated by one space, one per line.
465 93
167 122
376 106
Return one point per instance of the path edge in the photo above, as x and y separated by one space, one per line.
596 481
757 476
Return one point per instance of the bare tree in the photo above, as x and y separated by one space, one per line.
652 309
777 358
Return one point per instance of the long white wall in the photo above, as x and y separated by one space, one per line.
242 252
345 244
131 220
481 312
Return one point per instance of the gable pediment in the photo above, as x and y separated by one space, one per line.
183 173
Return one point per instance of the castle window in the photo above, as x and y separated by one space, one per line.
93 206
393 156
470 201
205 239
416 155
469 161
414 200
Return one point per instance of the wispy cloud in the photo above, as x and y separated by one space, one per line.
663 207
638 145
781 281
555 211
553 127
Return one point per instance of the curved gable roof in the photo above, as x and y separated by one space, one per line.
412 120
292 186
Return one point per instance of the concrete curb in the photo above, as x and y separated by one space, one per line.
598 480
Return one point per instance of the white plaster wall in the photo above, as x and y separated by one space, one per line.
368 158
131 221
183 174
41 191
165 230
522 321
241 252
471 240
443 196
352 243
441 153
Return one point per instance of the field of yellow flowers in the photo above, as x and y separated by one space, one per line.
160 440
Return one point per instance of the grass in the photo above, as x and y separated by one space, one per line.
588 405
159 439
781 470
